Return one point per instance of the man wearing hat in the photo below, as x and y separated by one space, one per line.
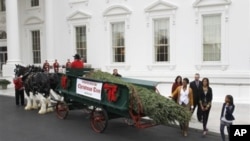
77 63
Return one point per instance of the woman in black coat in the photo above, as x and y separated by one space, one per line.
226 115
205 101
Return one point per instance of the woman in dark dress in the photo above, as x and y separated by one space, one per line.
206 96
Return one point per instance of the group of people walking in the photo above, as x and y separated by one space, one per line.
199 95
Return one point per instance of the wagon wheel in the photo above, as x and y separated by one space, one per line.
62 110
99 120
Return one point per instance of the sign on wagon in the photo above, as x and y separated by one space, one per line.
89 88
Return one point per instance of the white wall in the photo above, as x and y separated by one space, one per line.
31 19
234 78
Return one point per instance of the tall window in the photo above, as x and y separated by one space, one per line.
36 50
2 5
34 3
118 41
212 37
3 35
3 56
161 40
81 42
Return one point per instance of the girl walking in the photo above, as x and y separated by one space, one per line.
226 115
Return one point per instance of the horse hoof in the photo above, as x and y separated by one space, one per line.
27 108
35 107
41 112
50 110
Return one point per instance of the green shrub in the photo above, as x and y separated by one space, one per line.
4 82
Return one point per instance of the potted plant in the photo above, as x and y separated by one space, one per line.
4 83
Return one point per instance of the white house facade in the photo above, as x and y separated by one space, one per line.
145 39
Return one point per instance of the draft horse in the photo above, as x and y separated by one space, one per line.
37 82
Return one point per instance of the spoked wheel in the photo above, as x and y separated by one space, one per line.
99 120
62 110
129 121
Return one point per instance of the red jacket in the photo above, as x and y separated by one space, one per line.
77 64
18 83
68 64
46 67
174 86
56 67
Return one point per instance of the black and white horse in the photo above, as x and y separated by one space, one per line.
39 83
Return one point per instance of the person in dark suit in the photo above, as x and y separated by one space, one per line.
196 87
115 73
226 118
205 102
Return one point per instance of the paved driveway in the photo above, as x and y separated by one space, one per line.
16 124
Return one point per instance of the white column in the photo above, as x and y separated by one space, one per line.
49 25
13 44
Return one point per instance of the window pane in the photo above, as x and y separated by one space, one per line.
81 42
36 46
3 35
161 40
3 56
34 3
118 41
212 38
2 5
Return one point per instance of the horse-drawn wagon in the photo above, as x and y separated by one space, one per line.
105 100
104 95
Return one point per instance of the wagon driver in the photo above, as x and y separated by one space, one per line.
77 63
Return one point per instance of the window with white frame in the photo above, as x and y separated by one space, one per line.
118 41
36 49
161 39
2 6
81 42
211 37
3 35
34 3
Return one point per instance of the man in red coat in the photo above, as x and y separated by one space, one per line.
46 66
77 63
56 66
19 90
68 64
